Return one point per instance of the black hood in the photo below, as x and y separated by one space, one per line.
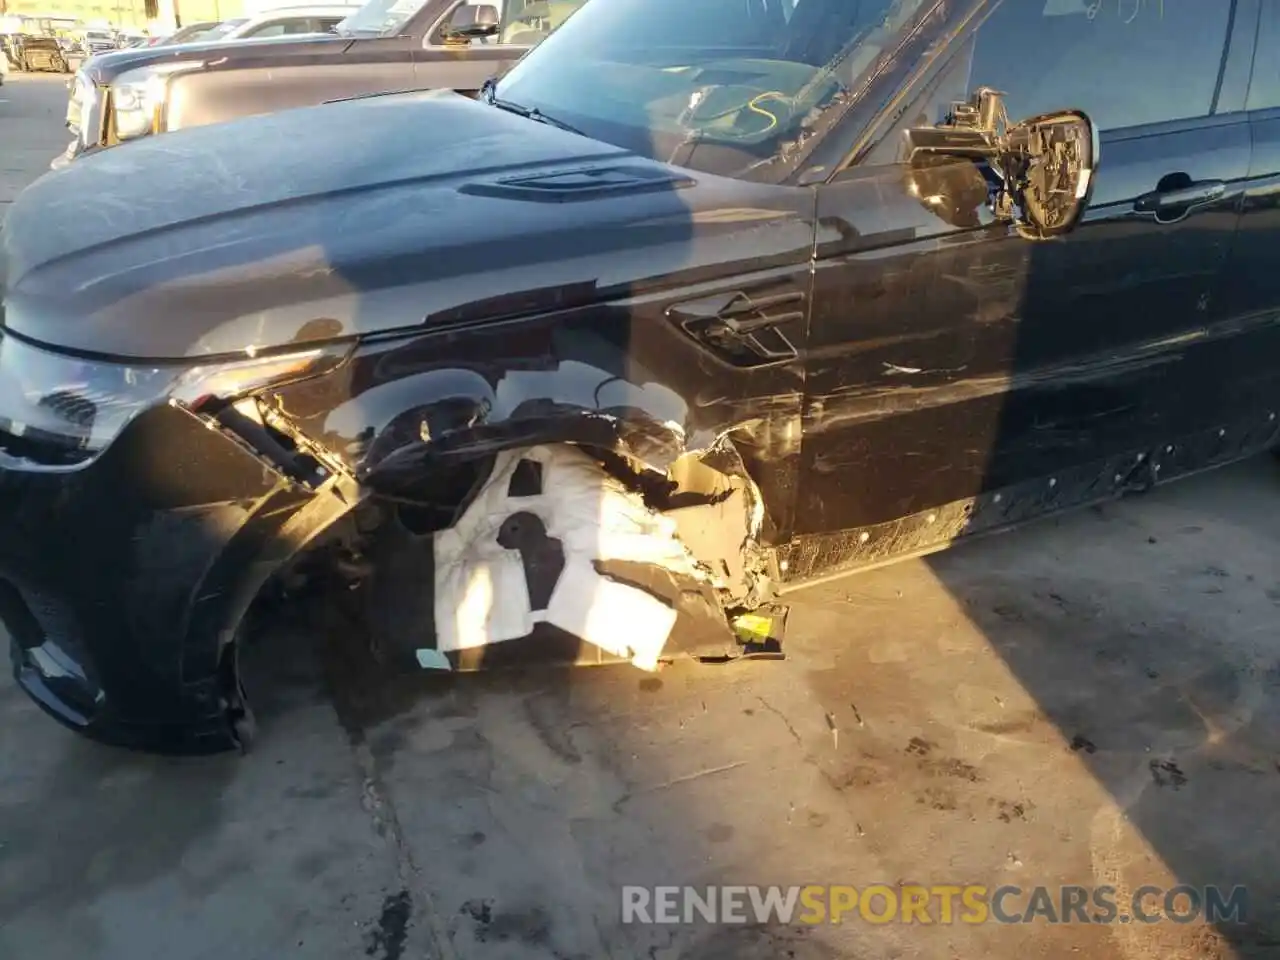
346 219
103 68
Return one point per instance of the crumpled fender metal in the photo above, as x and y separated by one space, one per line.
397 410
633 434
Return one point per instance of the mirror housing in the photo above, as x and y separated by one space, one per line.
471 21
1039 173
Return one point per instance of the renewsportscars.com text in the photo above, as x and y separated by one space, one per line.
937 903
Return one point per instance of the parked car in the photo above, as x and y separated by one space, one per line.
38 54
128 39
292 21
97 40
9 43
386 46
713 300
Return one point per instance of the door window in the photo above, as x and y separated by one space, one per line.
280 28
1124 62
525 22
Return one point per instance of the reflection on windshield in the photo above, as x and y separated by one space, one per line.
714 85
381 16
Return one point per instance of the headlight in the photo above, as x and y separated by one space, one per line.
135 106
82 108
138 98
61 410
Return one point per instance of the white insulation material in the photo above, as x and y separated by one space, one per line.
481 593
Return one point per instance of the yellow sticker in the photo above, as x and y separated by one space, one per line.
753 627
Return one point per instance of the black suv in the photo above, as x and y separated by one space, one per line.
698 303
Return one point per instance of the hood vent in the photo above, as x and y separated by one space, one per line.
590 183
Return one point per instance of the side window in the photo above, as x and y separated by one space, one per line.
326 24
276 28
281 28
1124 62
522 22
1264 87
527 22
300 25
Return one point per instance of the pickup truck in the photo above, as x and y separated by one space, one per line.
386 46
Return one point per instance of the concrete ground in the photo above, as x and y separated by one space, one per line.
1092 700
32 108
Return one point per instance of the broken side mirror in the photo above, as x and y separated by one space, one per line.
471 21
1038 174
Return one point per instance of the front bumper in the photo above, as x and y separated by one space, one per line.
61 160
122 583
75 150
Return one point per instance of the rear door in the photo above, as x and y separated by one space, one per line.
960 376
1250 377
306 70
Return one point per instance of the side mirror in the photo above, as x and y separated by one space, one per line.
1039 172
472 20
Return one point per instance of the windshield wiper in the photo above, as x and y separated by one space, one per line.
489 93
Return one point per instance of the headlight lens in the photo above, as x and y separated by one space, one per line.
138 97
61 410
135 104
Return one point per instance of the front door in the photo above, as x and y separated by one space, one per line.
960 376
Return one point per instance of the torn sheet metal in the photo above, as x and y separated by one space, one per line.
524 552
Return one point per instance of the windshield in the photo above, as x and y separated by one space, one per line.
716 85
381 17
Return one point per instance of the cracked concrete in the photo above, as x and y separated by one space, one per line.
1093 699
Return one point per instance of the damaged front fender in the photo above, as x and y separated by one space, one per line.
435 425
608 379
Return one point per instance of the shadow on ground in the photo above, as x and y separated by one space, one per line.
1092 700
110 854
